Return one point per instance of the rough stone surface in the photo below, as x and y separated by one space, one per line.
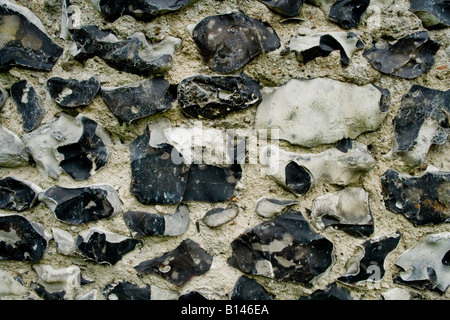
29 104
72 93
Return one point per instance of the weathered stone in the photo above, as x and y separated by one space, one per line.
401 294
321 111
17 194
179 265
331 293
10 286
347 210
57 284
150 224
426 265
348 13
367 264
13 152
218 216
21 239
77 146
24 41
138 100
409 57
289 8
3 97
65 244
435 14
421 122
276 249
103 246
72 93
29 104
192 296
205 97
228 42
424 200
269 207
309 47
133 55
246 288
124 290
78 206
300 172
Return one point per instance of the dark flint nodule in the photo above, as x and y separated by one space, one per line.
192 296
246 288
24 44
228 42
300 254
125 290
348 13
17 195
423 200
205 97
146 10
179 265
139 100
29 105
435 14
71 93
288 8
332 292
298 178
409 57
23 242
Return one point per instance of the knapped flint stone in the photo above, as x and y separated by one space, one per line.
284 248
307 48
347 210
424 200
124 290
426 265
77 146
289 8
103 246
146 10
155 177
348 13
150 224
56 284
192 296
25 42
13 152
179 265
204 97
17 194
11 286
269 207
435 14
21 239
78 206
246 288
29 104
331 293
228 42
72 93
409 57
311 112
138 100
3 97
401 294
421 122
218 216
368 262
133 55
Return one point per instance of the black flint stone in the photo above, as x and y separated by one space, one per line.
423 200
371 265
180 265
122 55
298 179
44 294
125 290
30 245
418 106
409 57
16 195
348 13
86 156
249 289
98 249
288 8
228 42
332 292
29 104
81 92
438 9
145 224
133 102
39 53
78 206
146 10
305 256
192 296
215 97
